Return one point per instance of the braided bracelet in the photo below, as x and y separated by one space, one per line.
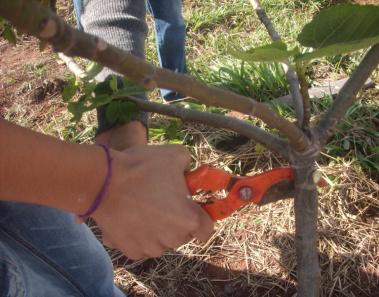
104 188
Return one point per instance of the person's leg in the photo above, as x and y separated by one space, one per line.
43 252
78 6
170 32
121 23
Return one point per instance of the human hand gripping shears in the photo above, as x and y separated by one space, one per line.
260 189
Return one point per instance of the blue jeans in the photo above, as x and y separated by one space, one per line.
170 32
43 253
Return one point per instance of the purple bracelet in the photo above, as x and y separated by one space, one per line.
99 197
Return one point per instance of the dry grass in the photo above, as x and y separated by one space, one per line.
252 253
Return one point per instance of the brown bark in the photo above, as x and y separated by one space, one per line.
306 208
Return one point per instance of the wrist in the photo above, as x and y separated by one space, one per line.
90 171
80 218
122 137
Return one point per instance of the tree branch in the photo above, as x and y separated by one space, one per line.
306 209
270 141
34 19
306 99
347 95
263 17
290 73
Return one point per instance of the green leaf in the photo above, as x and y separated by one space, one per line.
121 112
129 89
340 29
89 87
103 88
92 70
77 109
274 52
9 34
113 83
100 100
70 89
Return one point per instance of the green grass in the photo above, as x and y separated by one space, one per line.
357 136
261 81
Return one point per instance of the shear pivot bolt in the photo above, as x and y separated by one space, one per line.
245 193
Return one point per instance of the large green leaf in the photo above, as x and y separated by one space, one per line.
340 29
274 52
121 112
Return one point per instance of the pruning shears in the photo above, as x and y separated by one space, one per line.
260 189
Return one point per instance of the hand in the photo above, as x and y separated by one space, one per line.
147 210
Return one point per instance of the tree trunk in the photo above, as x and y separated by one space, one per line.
306 207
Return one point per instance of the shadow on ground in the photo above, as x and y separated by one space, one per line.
216 277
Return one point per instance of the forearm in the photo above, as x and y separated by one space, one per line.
39 169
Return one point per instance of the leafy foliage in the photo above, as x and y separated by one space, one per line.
7 32
118 112
111 92
336 30
274 52
340 29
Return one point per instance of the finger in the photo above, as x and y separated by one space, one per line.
135 256
205 227
153 250
182 156
173 242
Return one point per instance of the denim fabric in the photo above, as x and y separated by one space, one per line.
78 6
43 253
170 32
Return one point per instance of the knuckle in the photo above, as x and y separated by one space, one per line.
134 255
154 252
182 152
